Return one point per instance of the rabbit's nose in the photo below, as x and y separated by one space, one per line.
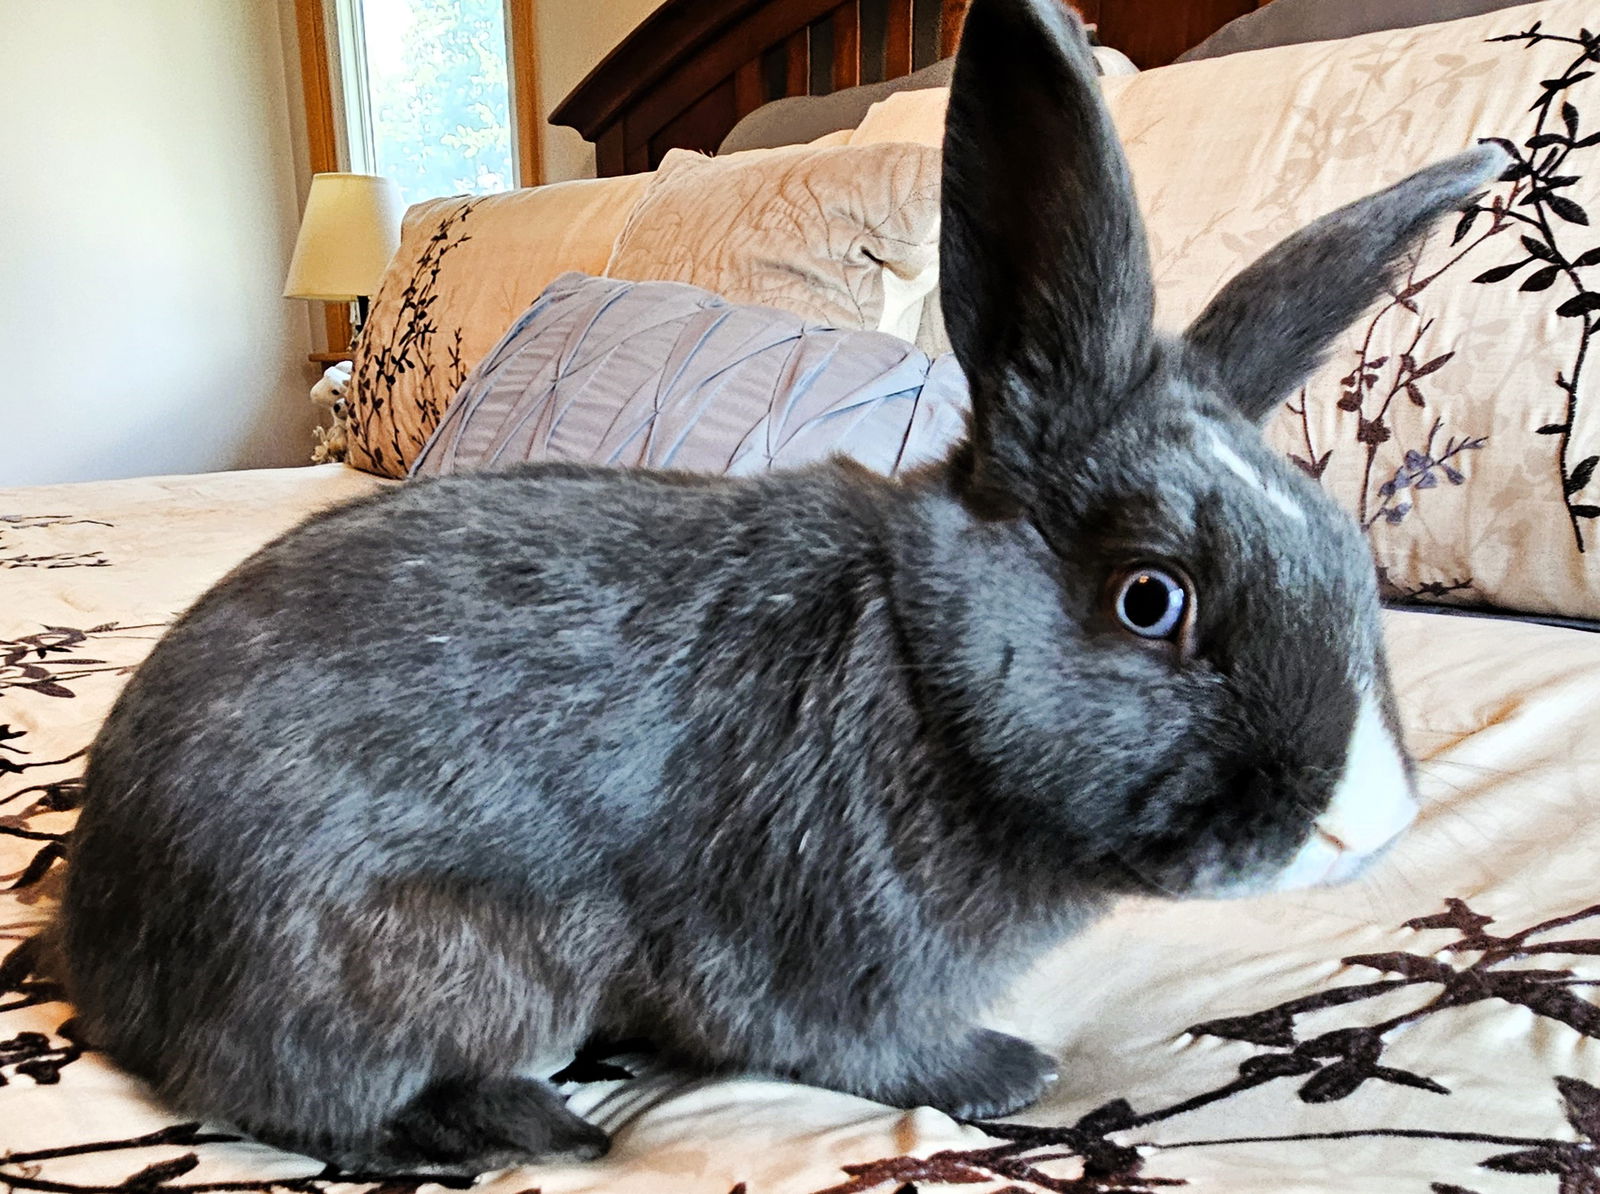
1314 864
1373 803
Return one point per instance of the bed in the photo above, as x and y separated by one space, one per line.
1427 1029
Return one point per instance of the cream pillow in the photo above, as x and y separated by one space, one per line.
465 269
841 236
915 117
837 137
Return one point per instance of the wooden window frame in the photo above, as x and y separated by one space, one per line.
523 61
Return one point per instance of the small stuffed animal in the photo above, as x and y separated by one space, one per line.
791 774
329 394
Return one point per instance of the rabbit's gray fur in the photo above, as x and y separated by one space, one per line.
790 774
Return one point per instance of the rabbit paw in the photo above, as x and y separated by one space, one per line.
994 1074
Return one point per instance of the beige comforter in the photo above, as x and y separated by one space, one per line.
1428 1029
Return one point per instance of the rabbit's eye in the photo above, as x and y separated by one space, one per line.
1151 603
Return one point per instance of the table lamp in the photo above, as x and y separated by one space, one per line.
350 230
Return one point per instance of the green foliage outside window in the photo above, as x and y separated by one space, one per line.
439 94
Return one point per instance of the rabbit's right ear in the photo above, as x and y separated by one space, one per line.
1045 275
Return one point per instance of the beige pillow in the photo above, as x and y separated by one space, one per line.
842 236
837 137
914 117
465 269
1442 420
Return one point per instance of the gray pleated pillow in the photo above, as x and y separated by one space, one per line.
667 375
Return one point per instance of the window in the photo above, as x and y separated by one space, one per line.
418 90
427 94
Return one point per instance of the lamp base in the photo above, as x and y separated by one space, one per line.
363 304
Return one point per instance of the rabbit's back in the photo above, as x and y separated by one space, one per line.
417 650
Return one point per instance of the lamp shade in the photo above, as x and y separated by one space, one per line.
350 230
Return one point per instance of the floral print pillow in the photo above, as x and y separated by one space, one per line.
1459 420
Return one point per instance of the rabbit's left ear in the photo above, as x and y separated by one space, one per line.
1045 275
1268 329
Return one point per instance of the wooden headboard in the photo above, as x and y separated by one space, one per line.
685 76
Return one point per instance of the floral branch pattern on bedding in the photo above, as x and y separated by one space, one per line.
1541 216
1439 423
400 341
1543 160
65 559
1334 1064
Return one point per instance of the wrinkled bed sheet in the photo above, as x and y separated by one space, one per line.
1430 1029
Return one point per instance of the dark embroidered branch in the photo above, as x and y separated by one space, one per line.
1102 1174
28 522
57 796
1543 161
46 664
22 1170
1311 464
1365 383
85 559
33 1055
1577 1162
38 866
1335 1064
379 366
1366 393
1432 590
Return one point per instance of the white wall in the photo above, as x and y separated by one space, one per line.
148 206
573 36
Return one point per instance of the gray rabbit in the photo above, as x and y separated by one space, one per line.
789 774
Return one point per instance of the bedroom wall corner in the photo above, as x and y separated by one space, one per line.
573 36
148 207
